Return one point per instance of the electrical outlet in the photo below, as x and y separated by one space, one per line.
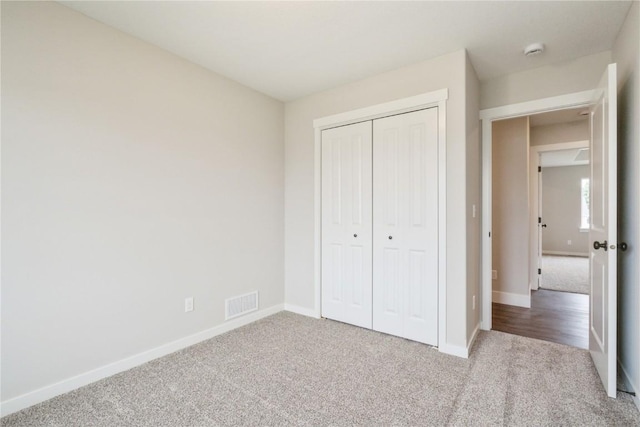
494 274
188 304
474 302
569 242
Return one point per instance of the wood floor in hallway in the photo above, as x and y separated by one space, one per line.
560 317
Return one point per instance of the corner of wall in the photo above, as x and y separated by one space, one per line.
461 351
473 197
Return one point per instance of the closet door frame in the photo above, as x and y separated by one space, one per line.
426 100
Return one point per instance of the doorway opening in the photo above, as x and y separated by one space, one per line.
602 105
540 267
563 254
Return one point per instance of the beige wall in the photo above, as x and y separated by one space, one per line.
626 53
474 197
447 71
558 79
131 179
561 201
560 132
510 205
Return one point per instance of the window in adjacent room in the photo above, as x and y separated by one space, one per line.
584 204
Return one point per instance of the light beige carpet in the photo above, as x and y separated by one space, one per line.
565 273
292 370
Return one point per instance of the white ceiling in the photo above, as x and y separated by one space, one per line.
560 116
550 159
291 49
573 157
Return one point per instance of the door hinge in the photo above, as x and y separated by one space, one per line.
539 168
539 271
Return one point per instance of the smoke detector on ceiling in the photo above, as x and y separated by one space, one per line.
534 49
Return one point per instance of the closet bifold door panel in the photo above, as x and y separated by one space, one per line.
405 225
346 224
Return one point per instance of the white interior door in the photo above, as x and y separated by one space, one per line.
405 230
346 224
603 231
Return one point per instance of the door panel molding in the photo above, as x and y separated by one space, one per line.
427 100
604 213
403 184
346 223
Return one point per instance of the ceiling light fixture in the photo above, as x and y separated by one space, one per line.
534 49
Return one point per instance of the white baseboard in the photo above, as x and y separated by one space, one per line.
309 312
564 253
45 393
507 298
454 350
630 384
459 350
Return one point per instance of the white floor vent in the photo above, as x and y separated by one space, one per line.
243 304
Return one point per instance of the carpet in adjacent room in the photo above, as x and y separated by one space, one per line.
565 273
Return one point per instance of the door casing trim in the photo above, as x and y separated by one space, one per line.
488 116
534 194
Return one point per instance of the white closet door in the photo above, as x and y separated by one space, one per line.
405 228
346 224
